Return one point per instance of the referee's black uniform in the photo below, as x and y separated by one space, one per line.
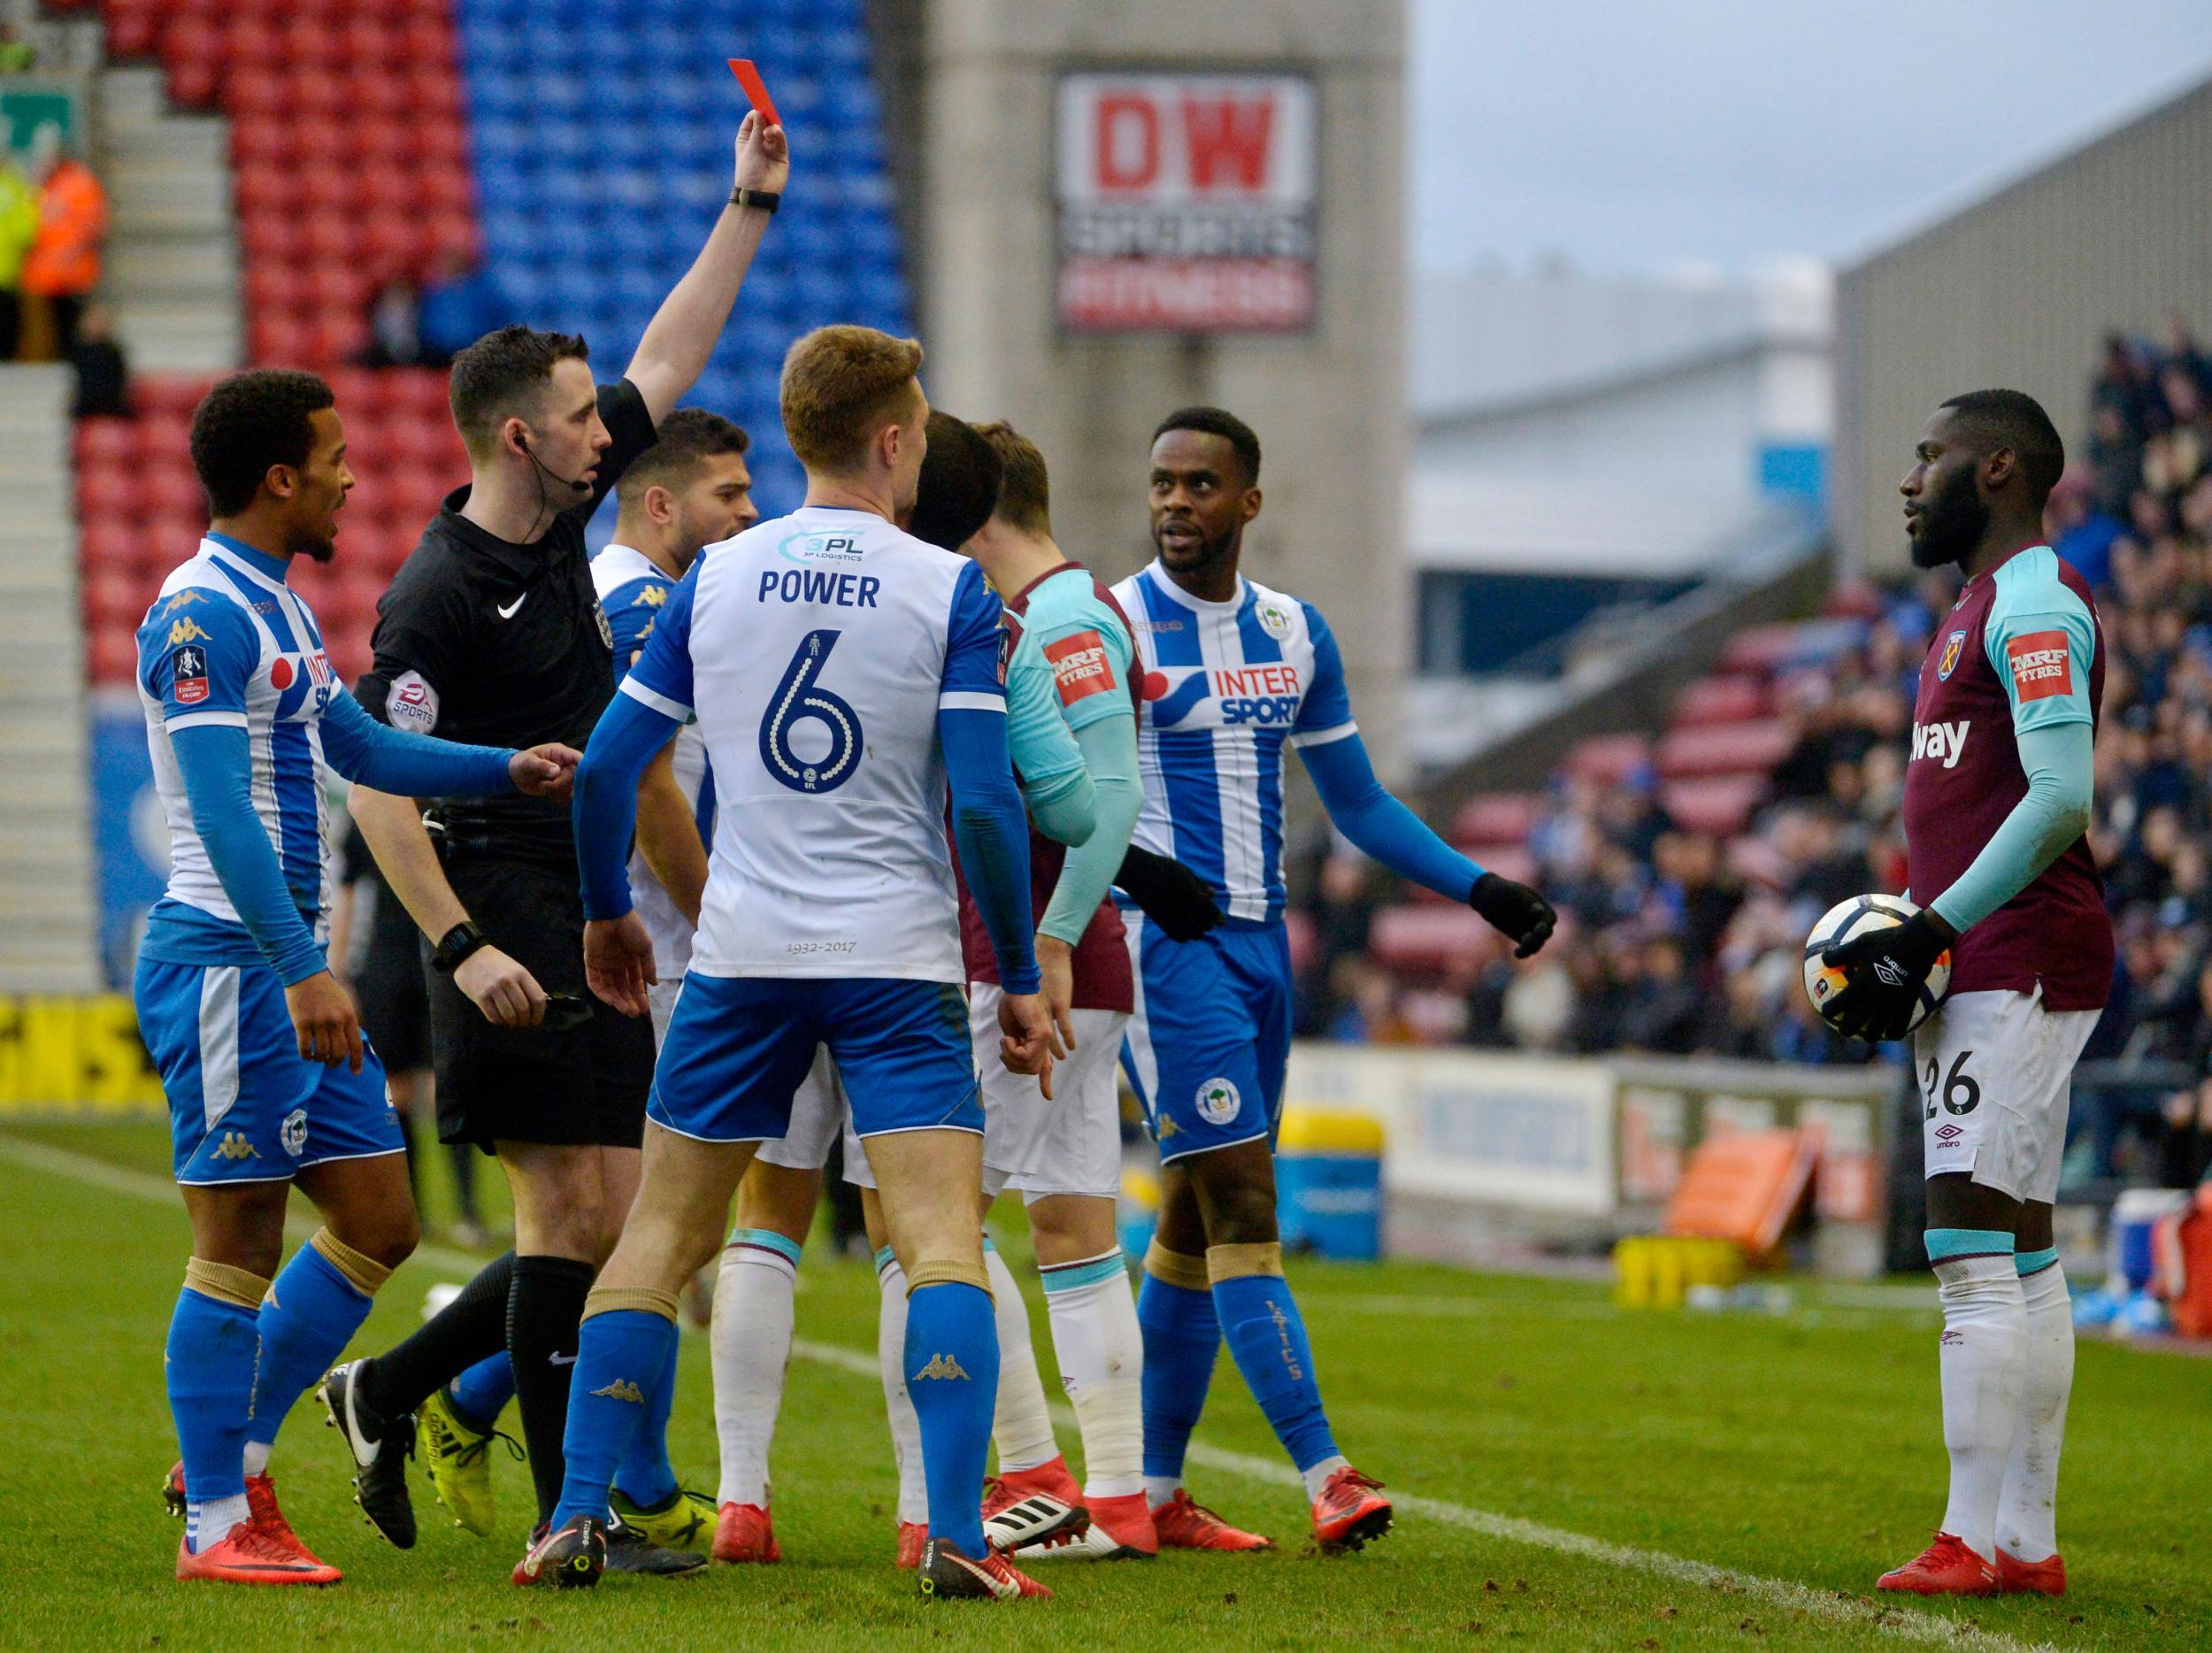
480 640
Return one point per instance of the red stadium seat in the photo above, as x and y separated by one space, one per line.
108 543
114 656
252 90
280 339
1725 748
1495 818
104 440
169 394
1759 648
1425 940
1721 700
1722 805
1608 757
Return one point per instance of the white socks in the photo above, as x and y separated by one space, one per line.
208 1523
1101 1351
1021 1428
1160 1490
1982 1359
1316 1475
751 1343
906 1428
257 1457
2027 1514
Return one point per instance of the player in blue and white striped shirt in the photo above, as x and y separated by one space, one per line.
1234 672
260 1053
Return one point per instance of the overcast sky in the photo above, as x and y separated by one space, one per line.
1643 134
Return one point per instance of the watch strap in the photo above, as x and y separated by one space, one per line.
766 200
455 945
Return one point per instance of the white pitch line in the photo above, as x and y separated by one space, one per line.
1832 1606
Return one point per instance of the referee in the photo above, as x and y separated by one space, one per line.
492 624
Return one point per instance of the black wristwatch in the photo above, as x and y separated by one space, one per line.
457 944
766 200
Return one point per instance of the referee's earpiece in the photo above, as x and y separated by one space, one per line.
522 441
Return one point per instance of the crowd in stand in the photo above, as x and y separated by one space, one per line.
1683 943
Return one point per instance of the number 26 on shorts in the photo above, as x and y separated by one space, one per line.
799 698
1960 1091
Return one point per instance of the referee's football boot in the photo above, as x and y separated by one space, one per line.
950 1573
570 1559
457 1455
380 1448
683 1520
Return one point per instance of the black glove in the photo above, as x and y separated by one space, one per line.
1172 896
1516 909
1884 973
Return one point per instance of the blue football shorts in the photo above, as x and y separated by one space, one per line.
738 1046
1209 1042
244 1105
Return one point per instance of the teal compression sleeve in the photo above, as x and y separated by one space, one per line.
2059 760
1110 752
1064 807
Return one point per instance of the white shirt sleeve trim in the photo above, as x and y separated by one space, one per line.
969 700
1321 737
205 720
659 702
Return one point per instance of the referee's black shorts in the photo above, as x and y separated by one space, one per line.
394 1004
584 1085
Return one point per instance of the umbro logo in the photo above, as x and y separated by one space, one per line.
940 1366
623 1389
1888 972
1949 1135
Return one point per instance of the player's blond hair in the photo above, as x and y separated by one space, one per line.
1025 497
841 386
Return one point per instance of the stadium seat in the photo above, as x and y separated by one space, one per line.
1495 818
1721 805
1423 941
1607 759
1730 699
1725 748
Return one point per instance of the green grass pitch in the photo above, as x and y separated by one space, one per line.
1572 1475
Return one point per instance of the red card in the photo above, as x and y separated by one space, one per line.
755 90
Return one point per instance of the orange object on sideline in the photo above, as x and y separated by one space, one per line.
1743 1187
2189 1283
73 221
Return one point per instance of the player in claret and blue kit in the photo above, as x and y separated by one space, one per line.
1997 800
269 1083
1235 672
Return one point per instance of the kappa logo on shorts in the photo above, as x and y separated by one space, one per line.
1219 1101
233 1145
1166 1128
293 1134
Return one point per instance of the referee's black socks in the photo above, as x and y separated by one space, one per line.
472 1327
544 1309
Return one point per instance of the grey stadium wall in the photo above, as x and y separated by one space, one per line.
2018 290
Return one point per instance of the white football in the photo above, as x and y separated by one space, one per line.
1848 919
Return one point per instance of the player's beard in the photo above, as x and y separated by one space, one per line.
1204 558
1952 523
317 548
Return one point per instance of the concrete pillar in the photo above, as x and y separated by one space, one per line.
1328 405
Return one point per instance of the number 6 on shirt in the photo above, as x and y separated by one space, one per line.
799 698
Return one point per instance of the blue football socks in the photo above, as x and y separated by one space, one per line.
209 1368
1182 1337
1267 1338
481 1393
622 1357
309 1317
952 1377
646 1477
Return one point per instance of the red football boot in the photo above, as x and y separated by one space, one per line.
743 1531
1121 1529
1179 1524
2015 1577
1946 1567
1015 1517
262 1500
913 1539
252 1555
1350 1511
